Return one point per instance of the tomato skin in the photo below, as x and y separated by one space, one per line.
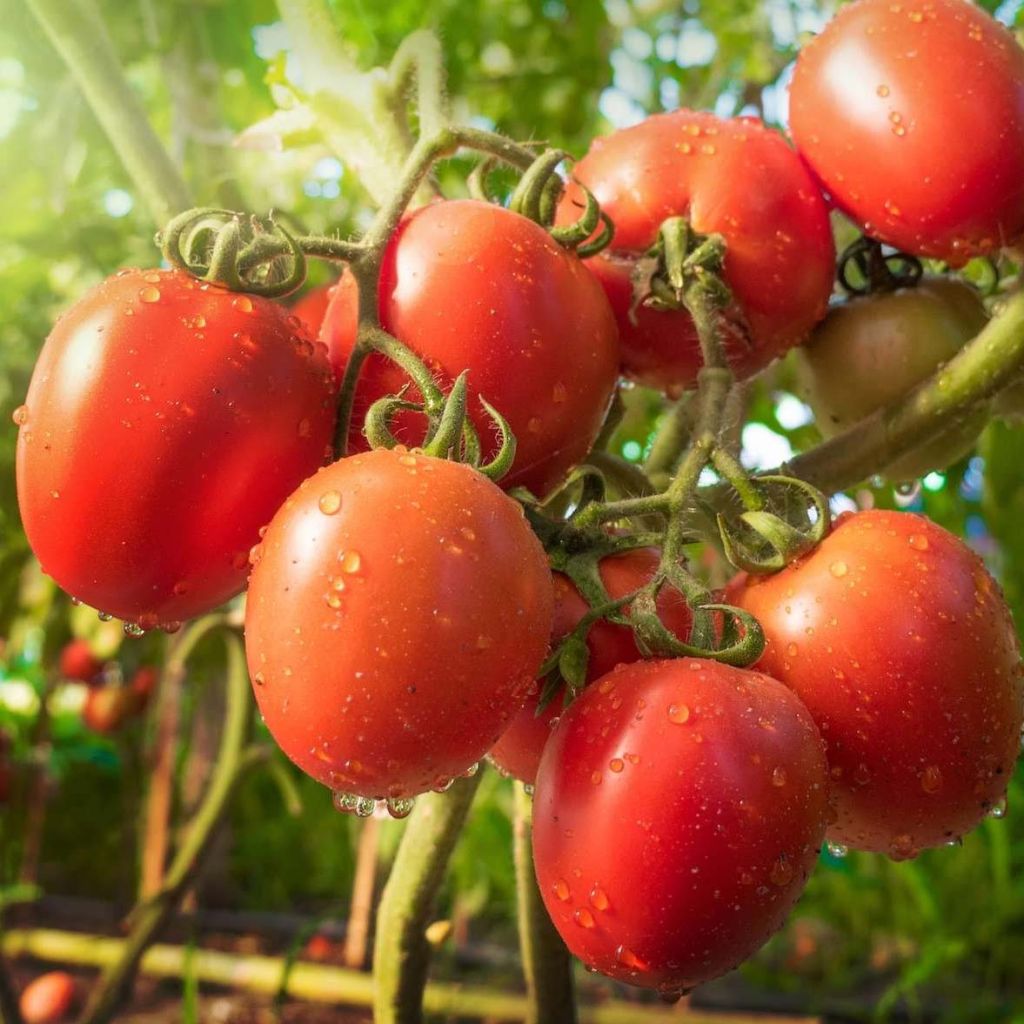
78 662
902 648
680 806
519 750
734 177
48 999
386 660
877 98
166 421
872 350
312 307
470 285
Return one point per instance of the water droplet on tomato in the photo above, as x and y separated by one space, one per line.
998 809
584 918
20 415
779 777
838 569
782 871
918 541
561 889
351 561
902 848
149 294
616 764
330 502
133 629
629 959
883 91
148 620
400 807
242 303
931 779
678 714
599 898
837 850
259 679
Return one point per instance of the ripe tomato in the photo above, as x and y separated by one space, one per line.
143 683
901 646
680 806
108 709
48 999
518 751
470 285
877 103
732 177
387 659
165 422
872 350
312 307
78 662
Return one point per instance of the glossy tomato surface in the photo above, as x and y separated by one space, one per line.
165 422
679 809
398 611
872 350
472 286
901 646
519 750
732 177
912 115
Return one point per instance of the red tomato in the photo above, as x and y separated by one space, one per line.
469 285
680 806
312 307
901 646
518 751
165 422
78 662
732 177
319 948
398 611
144 682
912 115
108 709
48 999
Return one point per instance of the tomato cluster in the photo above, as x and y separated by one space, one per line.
177 443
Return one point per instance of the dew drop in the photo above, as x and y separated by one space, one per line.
561 889
779 777
259 679
678 714
104 616
133 629
351 561
918 541
20 415
838 569
781 872
883 91
400 807
149 294
442 784
616 764
931 779
629 959
998 809
242 303
837 850
902 847
330 502
599 898
584 918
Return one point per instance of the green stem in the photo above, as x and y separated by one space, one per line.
546 962
149 917
401 953
980 370
732 471
672 436
76 31
419 59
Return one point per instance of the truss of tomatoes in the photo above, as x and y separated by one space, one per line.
175 445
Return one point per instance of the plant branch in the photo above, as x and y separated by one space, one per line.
9 1010
401 953
232 762
77 33
546 962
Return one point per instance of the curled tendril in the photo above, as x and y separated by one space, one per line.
377 424
879 270
503 458
762 541
477 180
229 249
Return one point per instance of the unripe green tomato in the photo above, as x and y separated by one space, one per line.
872 350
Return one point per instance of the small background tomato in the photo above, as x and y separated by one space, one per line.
899 643
679 809
873 350
77 661
48 999
732 177
165 422
519 750
912 115
470 285
386 660
108 709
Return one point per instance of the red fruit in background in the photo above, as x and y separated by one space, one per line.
912 115
398 610
470 285
144 682
78 662
902 648
48 999
680 806
733 177
318 948
312 307
108 709
165 422
519 750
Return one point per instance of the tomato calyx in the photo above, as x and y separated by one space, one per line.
867 267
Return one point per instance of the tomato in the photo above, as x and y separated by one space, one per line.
319 948
912 115
48 999
901 646
470 285
399 608
679 809
518 751
731 177
78 662
165 422
108 709
144 682
872 350
312 307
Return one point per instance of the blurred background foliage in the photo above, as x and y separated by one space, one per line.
944 931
